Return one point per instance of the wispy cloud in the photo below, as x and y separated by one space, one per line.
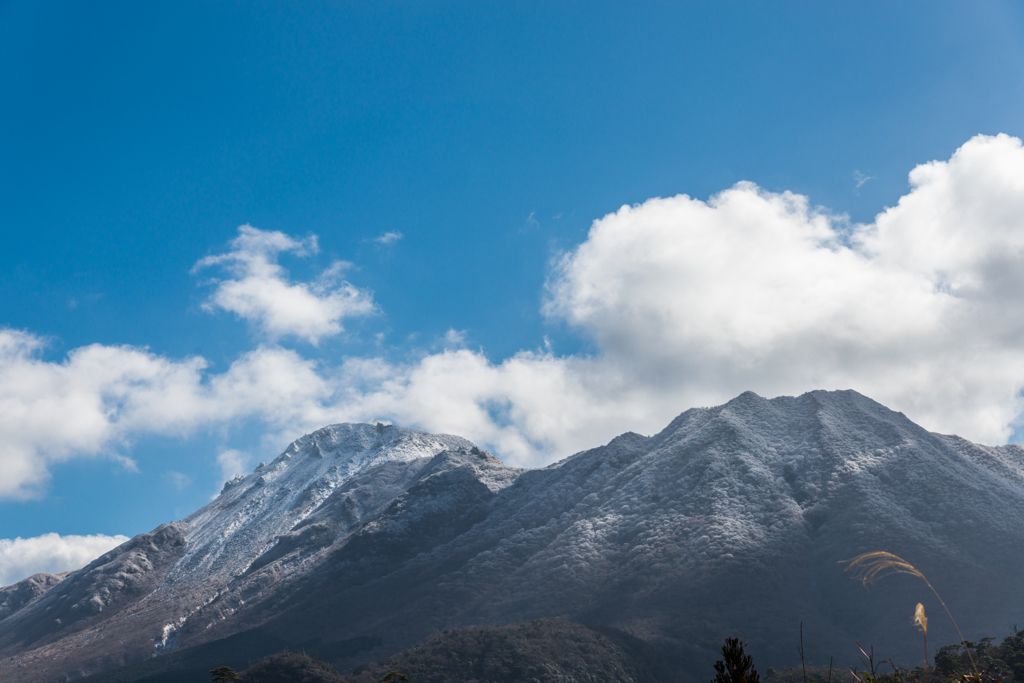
388 238
178 480
861 178
454 337
232 462
260 291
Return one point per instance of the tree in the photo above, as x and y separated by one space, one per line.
947 661
735 666
224 674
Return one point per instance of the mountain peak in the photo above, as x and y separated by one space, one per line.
253 510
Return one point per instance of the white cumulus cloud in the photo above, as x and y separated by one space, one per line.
260 291
20 558
920 309
687 302
99 396
691 302
50 412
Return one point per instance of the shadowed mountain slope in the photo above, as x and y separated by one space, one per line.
20 594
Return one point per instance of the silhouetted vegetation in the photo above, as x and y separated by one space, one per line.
1003 662
224 674
393 677
542 651
192 665
290 667
951 664
735 665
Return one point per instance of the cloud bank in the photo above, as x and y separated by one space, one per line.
260 291
94 400
920 309
688 303
50 553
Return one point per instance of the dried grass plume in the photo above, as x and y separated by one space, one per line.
871 567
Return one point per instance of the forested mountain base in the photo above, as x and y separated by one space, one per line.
559 651
545 651
541 651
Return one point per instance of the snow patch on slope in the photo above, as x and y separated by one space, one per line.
251 512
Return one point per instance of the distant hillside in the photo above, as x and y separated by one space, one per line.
542 651
555 651
291 667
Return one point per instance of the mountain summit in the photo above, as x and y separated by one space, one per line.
360 540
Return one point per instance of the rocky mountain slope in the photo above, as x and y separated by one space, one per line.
362 541
17 595
131 603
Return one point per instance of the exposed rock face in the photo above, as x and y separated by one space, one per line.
117 581
731 521
18 595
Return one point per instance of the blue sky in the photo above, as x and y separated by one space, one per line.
136 138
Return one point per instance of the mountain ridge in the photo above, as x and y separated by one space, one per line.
730 521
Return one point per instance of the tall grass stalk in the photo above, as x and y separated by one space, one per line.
871 567
922 621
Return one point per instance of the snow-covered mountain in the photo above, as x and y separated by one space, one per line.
133 600
361 540
252 512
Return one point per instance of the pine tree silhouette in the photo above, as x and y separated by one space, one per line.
735 666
